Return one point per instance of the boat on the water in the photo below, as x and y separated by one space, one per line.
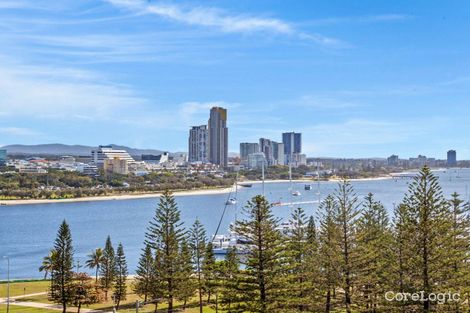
223 243
296 193
308 187
247 185
231 201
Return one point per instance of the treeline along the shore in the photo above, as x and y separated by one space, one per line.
352 258
59 184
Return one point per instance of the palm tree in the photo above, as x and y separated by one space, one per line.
48 263
95 259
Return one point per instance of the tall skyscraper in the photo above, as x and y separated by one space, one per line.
218 137
451 158
278 152
393 160
247 148
198 144
292 144
266 148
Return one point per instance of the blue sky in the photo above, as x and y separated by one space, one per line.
357 78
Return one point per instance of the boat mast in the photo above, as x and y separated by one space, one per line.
318 182
262 174
236 197
290 172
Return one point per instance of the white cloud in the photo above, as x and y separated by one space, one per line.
223 21
18 131
54 92
216 18
196 113
377 18
17 4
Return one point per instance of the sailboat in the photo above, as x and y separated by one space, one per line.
222 243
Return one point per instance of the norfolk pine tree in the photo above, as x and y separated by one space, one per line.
402 254
188 285
260 280
230 282
62 280
108 267
164 235
329 252
120 279
430 222
374 246
346 217
197 242
209 271
459 260
299 265
145 273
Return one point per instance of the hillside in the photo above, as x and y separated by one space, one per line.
62 149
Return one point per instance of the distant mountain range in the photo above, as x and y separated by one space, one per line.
74 150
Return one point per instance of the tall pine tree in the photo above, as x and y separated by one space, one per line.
145 273
329 252
209 271
197 241
187 288
459 261
120 280
108 267
374 246
346 217
429 220
164 235
230 282
62 279
299 264
260 282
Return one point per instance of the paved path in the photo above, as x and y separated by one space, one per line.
56 307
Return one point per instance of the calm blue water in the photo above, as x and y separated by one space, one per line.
27 232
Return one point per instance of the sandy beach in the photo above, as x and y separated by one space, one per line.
117 197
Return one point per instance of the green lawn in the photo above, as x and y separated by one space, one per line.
21 309
19 288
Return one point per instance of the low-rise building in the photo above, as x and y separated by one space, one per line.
108 153
116 166
32 169
256 160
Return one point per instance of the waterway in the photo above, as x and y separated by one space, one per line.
27 232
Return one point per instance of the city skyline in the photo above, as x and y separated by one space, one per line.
364 80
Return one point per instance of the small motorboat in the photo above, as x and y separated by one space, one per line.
308 187
223 243
231 201
247 185
296 193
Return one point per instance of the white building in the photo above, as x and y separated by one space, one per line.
108 153
199 144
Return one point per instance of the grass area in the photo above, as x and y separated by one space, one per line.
22 309
30 287
23 287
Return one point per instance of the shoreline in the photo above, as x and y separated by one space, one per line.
182 193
